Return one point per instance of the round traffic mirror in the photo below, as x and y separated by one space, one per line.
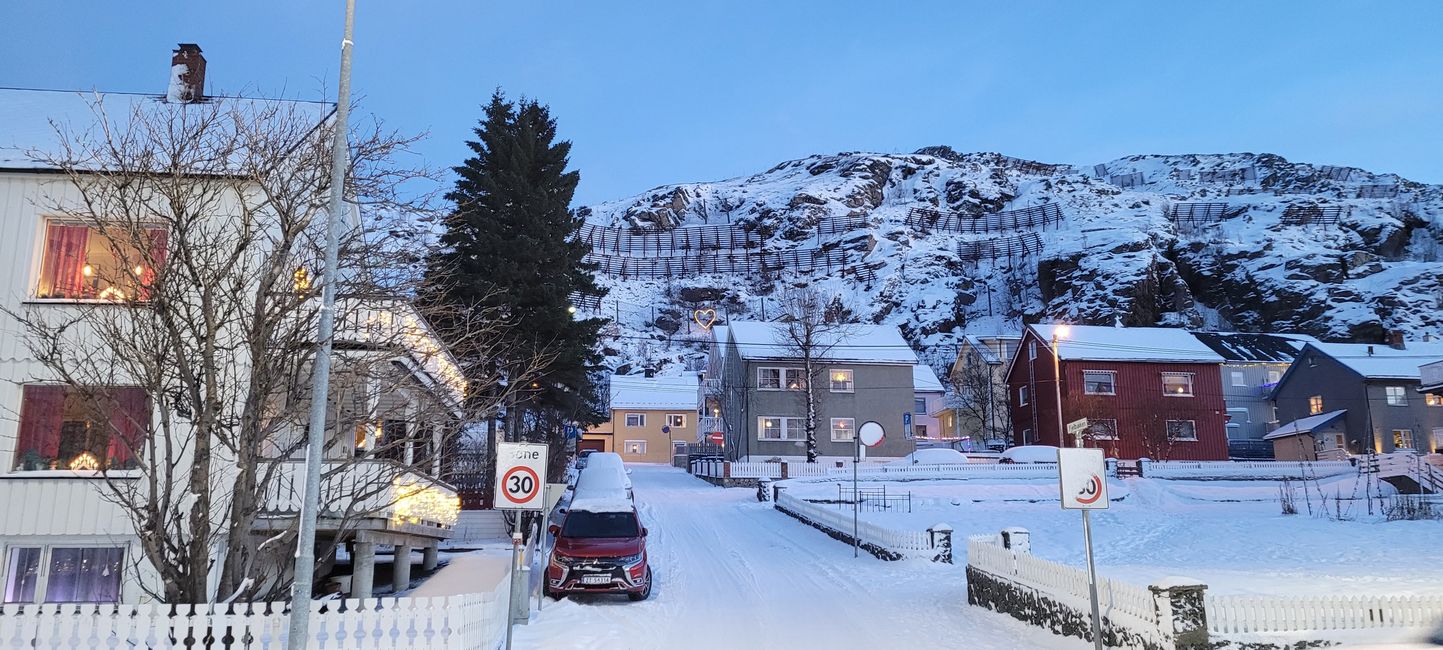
870 434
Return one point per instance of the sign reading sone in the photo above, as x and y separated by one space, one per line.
520 476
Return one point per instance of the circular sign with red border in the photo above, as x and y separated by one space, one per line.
520 485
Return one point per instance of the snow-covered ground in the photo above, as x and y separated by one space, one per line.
734 573
1229 534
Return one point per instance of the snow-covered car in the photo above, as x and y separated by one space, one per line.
1029 454
932 456
604 474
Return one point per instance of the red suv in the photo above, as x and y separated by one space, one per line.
599 550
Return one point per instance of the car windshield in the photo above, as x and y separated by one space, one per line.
599 524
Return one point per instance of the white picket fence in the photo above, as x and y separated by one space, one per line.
1261 470
1249 614
904 542
1114 598
465 622
874 472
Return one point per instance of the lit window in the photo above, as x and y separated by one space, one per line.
635 420
1432 400
64 428
1022 396
841 381
1396 395
843 429
1185 430
1102 429
1099 382
675 420
634 447
796 379
1315 405
779 428
84 575
1403 439
80 263
1239 379
769 378
1177 384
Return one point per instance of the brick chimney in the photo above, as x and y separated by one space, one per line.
187 74
1395 340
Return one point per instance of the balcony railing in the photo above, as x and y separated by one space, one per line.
711 387
376 489
709 425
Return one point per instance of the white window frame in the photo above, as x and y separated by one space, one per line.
852 426
676 420
923 400
1023 395
850 384
1191 383
640 420
1168 431
1395 395
919 430
42 582
1238 378
763 385
1408 437
1246 419
1094 436
1429 399
787 428
801 378
626 447
1315 408
1112 382
1275 376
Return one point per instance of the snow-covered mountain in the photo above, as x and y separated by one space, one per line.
1248 242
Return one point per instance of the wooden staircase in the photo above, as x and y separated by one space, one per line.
1409 472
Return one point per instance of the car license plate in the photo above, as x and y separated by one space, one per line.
596 580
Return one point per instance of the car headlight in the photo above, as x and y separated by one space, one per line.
561 560
630 559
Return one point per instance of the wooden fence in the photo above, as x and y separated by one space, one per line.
1033 218
1015 247
1114 597
1201 213
1251 614
734 236
1300 214
833 258
901 542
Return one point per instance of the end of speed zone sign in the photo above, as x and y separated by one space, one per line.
520 476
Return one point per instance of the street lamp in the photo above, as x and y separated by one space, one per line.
1059 332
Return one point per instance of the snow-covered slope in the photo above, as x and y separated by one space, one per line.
1339 253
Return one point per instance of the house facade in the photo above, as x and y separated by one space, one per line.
927 403
1252 365
63 538
1146 392
978 408
758 387
650 418
1377 388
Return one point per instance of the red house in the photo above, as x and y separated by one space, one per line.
1147 392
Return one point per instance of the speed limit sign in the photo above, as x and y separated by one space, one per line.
520 476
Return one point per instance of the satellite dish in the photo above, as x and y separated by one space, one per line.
871 434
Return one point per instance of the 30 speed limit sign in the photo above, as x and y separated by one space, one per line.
520 476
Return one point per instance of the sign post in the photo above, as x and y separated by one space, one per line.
907 424
869 434
1082 482
520 481
1076 427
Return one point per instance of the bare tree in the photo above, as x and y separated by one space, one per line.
809 335
207 221
981 399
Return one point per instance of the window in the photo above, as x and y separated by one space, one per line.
678 448
1403 439
676 420
842 381
1339 442
634 447
769 378
1432 400
72 575
843 429
1032 350
1181 430
1099 382
1437 439
1396 395
1274 376
80 263
780 428
919 430
1239 416
65 428
1315 405
1239 379
919 405
1102 429
1022 396
634 420
796 378
1027 436
1177 384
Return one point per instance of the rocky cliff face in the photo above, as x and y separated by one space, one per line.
1248 242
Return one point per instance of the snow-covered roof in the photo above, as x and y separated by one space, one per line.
881 344
1097 343
924 380
639 392
29 117
1379 361
984 346
1255 348
1304 425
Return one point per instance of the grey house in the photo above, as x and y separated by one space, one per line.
1377 387
1252 365
756 387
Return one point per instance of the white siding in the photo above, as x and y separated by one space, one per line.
48 505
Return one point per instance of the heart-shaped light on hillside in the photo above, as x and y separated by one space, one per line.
705 318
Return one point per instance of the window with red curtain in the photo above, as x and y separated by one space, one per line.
81 263
65 428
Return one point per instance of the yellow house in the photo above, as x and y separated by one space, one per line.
650 417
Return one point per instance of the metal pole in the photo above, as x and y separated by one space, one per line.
303 585
515 569
1057 384
1092 581
856 458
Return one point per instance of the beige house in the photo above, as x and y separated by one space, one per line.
650 418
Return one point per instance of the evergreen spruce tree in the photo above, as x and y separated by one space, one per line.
510 245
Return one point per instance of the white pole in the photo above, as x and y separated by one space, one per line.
515 569
1057 385
856 502
303 585
1092 581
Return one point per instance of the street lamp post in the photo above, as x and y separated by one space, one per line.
1059 332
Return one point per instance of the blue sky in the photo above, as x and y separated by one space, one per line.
674 91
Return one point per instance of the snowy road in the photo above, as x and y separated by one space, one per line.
733 573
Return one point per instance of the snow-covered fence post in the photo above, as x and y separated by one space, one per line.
727 469
1112 467
1181 612
784 469
1017 540
764 489
941 537
777 492
1144 465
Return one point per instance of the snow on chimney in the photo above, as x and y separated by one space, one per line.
187 74
1395 340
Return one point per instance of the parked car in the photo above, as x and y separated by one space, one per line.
1029 454
600 548
604 474
932 456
